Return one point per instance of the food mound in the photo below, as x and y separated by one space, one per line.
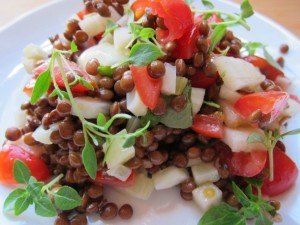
145 96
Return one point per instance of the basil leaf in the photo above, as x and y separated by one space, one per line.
101 120
217 36
110 27
208 4
240 195
21 205
246 9
41 86
262 220
256 138
130 141
66 198
44 207
89 159
142 54
222 214
21 172
11 199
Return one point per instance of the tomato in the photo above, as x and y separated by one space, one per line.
273 102
104 178
208 125
200 80
77 88
247 164
214 18
266 68
285 174
28 88
37 167
295 98
82 13
177 15
147 87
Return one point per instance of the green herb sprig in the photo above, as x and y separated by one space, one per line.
253 207
38 194
230 19
269 139
98 133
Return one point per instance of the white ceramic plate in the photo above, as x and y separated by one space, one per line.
164 207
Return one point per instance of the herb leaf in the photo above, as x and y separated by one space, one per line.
262 220
21 204
105 71
21 172
67 198
270 59
41 86
208 4
110 27
101 120
73 47
256 138
89 159
246 9
240 195
130 141
217 36
11 199
44 207
292 132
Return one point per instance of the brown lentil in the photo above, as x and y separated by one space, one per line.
191 70
102 9
63 109
134 163
208 154
179 103
75 160
106 82
181 67
80 36
267 83
118 90
147 164
170 46
66 130
198 60
280 61
193 152
209 68
109 211
126 82
13 134
284 48
105 94
118 73
275 204
28 139
95 191
154 146
186 196
156 69
147 141
62 219
79 219
189 139
180 160
92 207
202 44
125 211
255 117
78 138
92 66
156 158
204 29
161 23
161 107
188 185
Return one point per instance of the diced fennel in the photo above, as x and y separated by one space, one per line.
181 83
141 189
169 80
205 172
169 177
119 171
43 136
197 97
135 104
115 154
93 24
122 36
207 195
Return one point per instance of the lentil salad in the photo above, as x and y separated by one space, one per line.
188 138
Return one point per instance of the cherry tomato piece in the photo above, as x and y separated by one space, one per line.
208 125
104 178
201 80
37 167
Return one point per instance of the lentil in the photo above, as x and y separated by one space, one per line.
109 211
125 211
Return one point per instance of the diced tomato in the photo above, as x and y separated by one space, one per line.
104 178
37 167
214 18
177 15
248 164
273 102
28 88
147 87
200 80
295 97
77 88
208 125
82 13
285 174
266 68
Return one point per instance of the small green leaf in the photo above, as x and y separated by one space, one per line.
62 95
240 195
34 189
112 119
105 71
252 210
189 2
101 120
41 86
21 205
110 27
44 207
292 132
32 180
142 54
21 172
251 47
9 203
208 4
254 182
130 141
270 59
73 47
256 138
147 33
85 83
262 220
53 93
246 9
89 159
217 36
67 198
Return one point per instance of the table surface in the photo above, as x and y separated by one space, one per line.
284 12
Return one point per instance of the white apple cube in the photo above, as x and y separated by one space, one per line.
205 172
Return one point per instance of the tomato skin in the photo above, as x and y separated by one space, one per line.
37 167
200 80
248 164
104 178
208 125
147 87
28 88
82 13
266 68
177 15
273 102
285 174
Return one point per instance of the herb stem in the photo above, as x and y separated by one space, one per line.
51 183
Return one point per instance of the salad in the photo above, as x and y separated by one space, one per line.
147 96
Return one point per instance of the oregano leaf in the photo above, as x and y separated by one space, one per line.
21 172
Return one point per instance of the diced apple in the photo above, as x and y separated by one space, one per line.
91 107
205 172
135 104
122 36
169 177
119 171
169 80
194 162
197 97
93 24
236 139
237 73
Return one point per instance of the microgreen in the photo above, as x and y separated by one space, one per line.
97 133
110 27
269 140
253 207
37 194
212 104
208 4
105 71
229 19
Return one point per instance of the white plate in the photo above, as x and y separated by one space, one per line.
164 207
